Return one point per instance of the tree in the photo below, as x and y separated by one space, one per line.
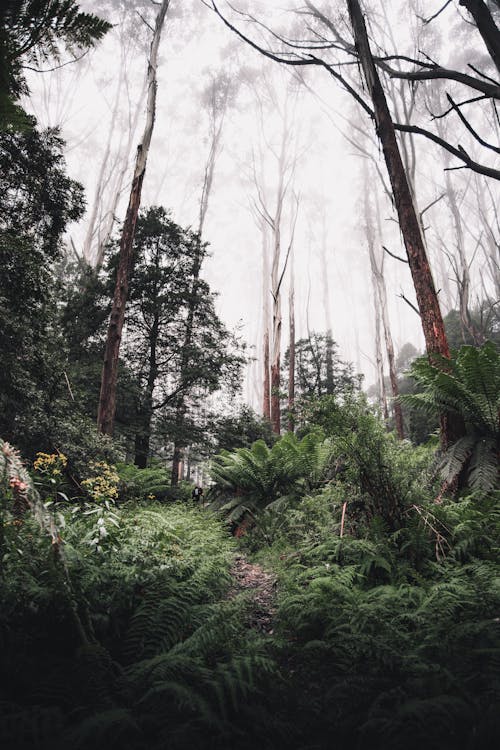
33 31
319 371
37 202
107 397
270 210
240 429
380 292
470 388
428 305
217 96
167 260
328 39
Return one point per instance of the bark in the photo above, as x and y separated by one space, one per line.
486 27
379 362
291 358
285 163
327 312
430 313
377 269
432 323
266 391
266 406
143 435
107 398
276 328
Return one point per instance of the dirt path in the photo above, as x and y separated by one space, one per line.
251 577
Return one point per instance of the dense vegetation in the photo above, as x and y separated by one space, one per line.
122 624
119 630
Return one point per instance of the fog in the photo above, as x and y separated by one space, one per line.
329 172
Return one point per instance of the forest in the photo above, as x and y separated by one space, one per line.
250 381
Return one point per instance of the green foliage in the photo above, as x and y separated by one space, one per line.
33 31
483 324
150 484
253 478
37 201
319 369
176 343
240 429
468 386
168 661
388 646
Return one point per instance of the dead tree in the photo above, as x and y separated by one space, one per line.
107 398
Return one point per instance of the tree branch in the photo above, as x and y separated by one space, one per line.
396 257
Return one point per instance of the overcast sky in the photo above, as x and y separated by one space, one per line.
328 174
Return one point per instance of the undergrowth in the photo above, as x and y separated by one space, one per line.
392 639
165 658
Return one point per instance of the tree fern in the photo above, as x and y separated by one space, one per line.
469 387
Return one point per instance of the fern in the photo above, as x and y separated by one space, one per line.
470 387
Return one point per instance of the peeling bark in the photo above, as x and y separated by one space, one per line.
430 313
107 398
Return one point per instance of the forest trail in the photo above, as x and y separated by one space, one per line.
250 577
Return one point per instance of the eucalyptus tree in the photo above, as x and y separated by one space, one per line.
325 38
107 397
274 201
217 96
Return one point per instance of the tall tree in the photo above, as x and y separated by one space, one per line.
266 295
291 348
216 98
107 397
377 270
270 208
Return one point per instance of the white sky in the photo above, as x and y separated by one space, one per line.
328 174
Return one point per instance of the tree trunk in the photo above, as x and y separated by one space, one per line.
99 189
486 27
276 332
378 271
216 125
107 222
266 390
326 308
430 313
107 399
143 435
266 405
291 350
379 361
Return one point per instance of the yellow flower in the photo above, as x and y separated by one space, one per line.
103 486
50 463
